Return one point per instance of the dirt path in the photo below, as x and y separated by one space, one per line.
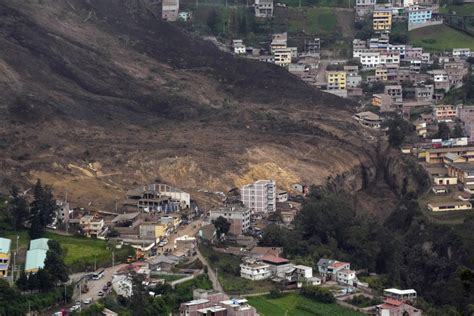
345 21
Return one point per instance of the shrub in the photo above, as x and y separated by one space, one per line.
319 294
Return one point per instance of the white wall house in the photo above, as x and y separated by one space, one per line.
254 270
370 59
346 277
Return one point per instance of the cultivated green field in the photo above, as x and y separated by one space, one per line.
465 9
440 37
297 305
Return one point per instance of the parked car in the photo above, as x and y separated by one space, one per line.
109 283
87 300
101 293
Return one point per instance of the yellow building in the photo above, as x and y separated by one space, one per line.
336 80
160 231
382 20
4 256
282 56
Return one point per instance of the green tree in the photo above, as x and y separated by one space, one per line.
222 226
443 131
36 229
22 281
54 263
397 130
17 208
43 204
458 131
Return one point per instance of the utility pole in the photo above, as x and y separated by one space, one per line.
13 267
113 258
95 262
65 295
17 237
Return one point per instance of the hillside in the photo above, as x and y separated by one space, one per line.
98 96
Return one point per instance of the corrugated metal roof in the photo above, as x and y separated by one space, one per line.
40 243
5 245
35 259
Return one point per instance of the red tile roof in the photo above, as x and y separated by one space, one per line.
338 264
393 302
273 259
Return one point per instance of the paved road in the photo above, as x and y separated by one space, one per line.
95 286
211 273
191 230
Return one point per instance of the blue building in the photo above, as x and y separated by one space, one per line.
417 15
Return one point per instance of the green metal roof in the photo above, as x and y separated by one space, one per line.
5 245
40 243
35 259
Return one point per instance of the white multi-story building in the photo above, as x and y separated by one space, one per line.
260 196
439 75
347 277
370 59
255 270
397 48
461 52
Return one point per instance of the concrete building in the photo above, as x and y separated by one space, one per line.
312 46
462 52
170 10
5 245
238 46
395 92
279 40
328 268
263 8
369 60
449 206
238 217
336 80
368 119
424 92
282 56
92 226
157 197
153 231
391 307
382 20
255 270
400 295
278 266
259 196
445 112
346 277
383 101
418 14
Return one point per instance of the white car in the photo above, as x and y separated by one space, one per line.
74 308
101 293
87 300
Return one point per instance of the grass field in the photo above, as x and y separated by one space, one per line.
465 9
440 37
297 305
312 20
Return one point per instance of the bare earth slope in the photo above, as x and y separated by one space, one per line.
98 96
